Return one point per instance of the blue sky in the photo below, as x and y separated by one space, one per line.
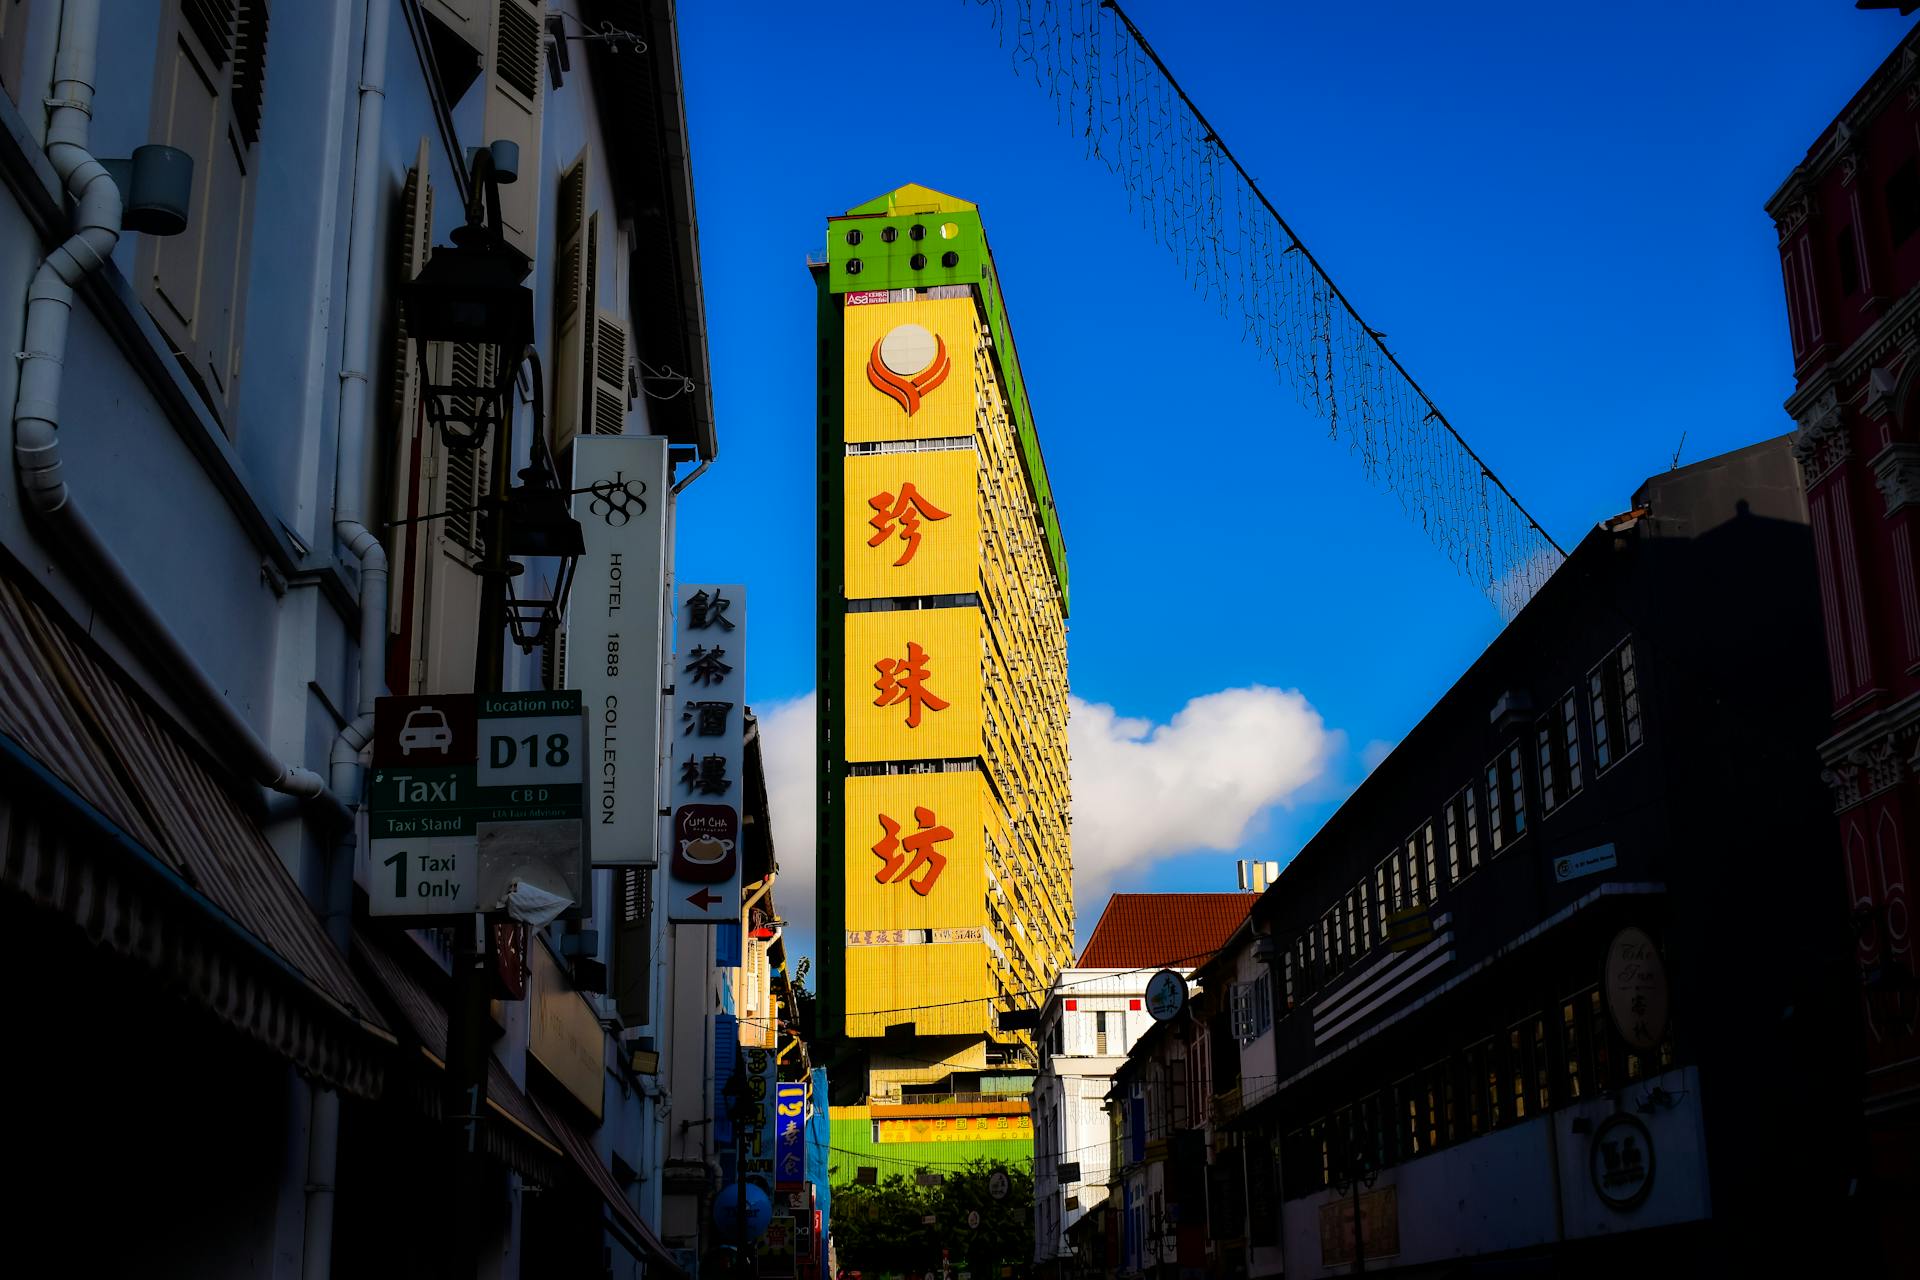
1554 212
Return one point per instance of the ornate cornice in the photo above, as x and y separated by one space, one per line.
1821 443
1885 342
1896 470
1865 772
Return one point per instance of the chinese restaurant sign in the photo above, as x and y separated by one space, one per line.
614 630
708 759
790 1143
471 794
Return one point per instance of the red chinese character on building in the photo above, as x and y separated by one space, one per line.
906 682
894 852
908 509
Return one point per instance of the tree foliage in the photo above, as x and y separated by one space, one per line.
883 1229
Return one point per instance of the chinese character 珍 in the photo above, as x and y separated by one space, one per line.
908 509
707 775
892 852
706 611
905 682
708 666
708 719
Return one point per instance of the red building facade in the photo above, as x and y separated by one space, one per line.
1849 224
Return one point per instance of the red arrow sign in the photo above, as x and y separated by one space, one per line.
704 898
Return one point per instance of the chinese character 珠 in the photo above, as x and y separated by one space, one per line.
905 682
909 508
707 775
893 851
706 611
708 666
708 719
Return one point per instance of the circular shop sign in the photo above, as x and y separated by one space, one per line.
997 1185
1621 1161
1166 995
973 1217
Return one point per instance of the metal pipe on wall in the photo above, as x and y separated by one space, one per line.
36 416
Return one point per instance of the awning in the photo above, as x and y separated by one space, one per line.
518 1136
110 818
624 1221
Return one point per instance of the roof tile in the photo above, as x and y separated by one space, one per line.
1163 930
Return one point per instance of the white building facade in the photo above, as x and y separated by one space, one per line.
227 526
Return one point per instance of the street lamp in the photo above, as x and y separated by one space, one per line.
1357 1173
471 294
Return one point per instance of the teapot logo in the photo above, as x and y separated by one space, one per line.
705 838
907 362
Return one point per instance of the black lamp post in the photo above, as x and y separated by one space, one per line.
1356 1174
740 1110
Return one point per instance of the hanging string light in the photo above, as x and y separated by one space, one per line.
1192 196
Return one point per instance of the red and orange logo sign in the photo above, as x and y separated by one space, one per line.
908 361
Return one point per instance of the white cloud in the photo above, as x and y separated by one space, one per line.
1201 781
786 746
1374 752
1141 790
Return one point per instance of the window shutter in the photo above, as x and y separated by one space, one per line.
572 302
514 55
452 587
208 96
609 374
410 544
13 47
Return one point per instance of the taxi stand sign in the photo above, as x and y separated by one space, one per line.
471 795
705 778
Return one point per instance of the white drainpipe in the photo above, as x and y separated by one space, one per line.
36 416
345 774
356 359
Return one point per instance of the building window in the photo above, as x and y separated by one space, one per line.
1543 753
1100 1034
1629 696
1286 979
1602 720
1496 824
1470 819
1453 842
1408 1110
1300 949
1252 1011
1570 738
1613 694
1903 202
1430 859
1382 904
1527 1066
1483 1087
1364 916
207 99
1517 790
1416 890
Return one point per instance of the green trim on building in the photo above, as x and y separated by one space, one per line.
830 897
853 1146
889 265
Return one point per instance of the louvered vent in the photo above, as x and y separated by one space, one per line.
250 68
517 52
466 468
212 21
609 376
573 211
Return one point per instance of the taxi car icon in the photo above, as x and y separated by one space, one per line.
425 729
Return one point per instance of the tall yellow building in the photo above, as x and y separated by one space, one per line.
945 867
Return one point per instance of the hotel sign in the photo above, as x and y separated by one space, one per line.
614 631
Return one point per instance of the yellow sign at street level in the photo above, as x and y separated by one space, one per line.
955 1129
1409 929
912 524
913 679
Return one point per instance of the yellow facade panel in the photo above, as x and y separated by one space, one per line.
913 679
910 371
916 904
912 524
